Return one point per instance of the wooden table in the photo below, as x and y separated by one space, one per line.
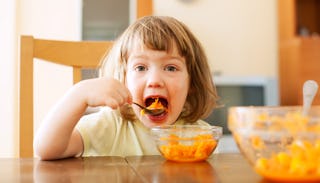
154 169
95 170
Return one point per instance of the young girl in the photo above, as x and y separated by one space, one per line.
156 58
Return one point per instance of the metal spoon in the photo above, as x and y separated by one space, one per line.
310 89
150 111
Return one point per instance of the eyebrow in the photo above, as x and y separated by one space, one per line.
168 55
140 56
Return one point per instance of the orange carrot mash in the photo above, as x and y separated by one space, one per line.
199 150
300 163
155 105
301 159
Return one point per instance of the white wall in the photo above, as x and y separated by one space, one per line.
240 37
57 19
7 78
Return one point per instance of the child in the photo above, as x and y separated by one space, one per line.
156 58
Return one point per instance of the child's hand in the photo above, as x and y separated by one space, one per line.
104 92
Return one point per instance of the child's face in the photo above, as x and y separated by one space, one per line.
160 74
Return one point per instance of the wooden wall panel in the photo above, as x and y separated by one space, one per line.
288 69
299 57
144 8
286 19
310 62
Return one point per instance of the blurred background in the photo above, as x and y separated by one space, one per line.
255 48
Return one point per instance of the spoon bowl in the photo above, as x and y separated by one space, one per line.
154 111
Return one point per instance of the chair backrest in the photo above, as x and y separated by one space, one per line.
76 54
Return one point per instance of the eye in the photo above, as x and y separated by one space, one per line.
140 68
171 68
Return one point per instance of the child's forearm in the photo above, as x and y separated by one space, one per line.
53 138
57 138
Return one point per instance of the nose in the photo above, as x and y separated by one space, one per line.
155 79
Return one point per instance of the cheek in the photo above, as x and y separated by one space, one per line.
129 83
132 85
180 89
132 88
182 84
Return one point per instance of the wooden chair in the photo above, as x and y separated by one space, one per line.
76 54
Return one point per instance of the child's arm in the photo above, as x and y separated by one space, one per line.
57 137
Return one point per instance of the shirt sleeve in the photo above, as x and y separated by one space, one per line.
98 132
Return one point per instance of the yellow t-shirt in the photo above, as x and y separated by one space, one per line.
105 133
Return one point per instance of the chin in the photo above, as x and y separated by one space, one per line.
150 123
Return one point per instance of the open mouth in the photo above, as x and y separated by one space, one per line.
156 103
155 106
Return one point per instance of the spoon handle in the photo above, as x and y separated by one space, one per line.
310 88
139 105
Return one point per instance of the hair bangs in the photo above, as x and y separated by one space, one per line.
155 35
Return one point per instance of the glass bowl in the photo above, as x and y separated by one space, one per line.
186 143
280 143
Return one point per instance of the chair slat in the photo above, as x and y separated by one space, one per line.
77 54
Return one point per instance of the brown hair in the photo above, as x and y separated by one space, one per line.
161 33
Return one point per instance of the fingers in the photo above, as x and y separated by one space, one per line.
118 95
125 95
118 98
106 92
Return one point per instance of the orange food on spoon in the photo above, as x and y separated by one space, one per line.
155 105
199 150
